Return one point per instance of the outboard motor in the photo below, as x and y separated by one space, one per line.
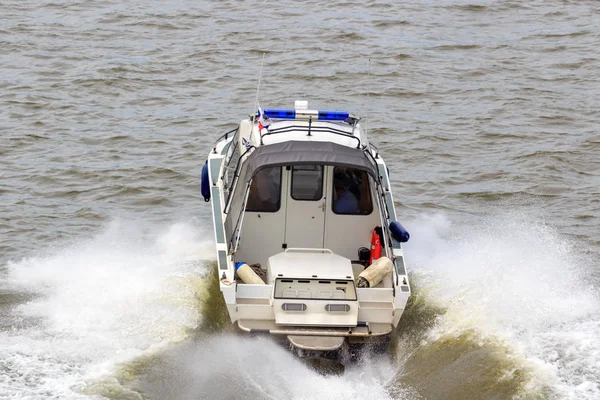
205 183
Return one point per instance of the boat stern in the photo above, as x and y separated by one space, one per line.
315 304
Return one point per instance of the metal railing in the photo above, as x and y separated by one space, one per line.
223 136
309 130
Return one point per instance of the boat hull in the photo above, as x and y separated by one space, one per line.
277 206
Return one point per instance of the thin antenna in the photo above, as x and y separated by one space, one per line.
368 90
258 89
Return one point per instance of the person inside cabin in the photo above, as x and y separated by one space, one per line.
351 192
345 201
265 191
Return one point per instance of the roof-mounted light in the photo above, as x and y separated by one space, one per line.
278 113
306 114
333 115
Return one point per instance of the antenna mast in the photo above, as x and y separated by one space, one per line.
368 90
258 89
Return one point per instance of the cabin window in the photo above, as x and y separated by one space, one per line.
307 182
265 191
351 192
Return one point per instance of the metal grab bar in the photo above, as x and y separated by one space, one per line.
236 175
307 250
309 130
223 136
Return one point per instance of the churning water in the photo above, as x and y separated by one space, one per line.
486 112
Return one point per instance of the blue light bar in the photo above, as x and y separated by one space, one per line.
305 114
283 114
333 115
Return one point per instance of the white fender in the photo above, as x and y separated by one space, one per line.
375 273
247 274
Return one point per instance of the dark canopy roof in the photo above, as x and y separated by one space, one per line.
306 153
294 153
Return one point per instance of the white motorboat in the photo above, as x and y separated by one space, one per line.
308 245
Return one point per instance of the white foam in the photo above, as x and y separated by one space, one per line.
516 278
116 296
234 367
98 302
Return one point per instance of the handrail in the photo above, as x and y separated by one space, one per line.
307 250
310 129
223 136
236 175
376 150
374 160
239 225
237 228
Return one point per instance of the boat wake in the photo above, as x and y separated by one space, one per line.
230 366
507 308
488 319
501 308
90 306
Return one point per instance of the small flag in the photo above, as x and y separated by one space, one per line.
263 121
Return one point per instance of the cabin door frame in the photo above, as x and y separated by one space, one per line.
305 209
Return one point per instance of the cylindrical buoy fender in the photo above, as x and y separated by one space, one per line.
375 273
247 274
399 232
205 182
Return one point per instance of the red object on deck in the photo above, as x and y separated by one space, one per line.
375 247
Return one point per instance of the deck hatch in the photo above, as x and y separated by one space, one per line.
314 289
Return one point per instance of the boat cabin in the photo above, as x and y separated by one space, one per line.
307 206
